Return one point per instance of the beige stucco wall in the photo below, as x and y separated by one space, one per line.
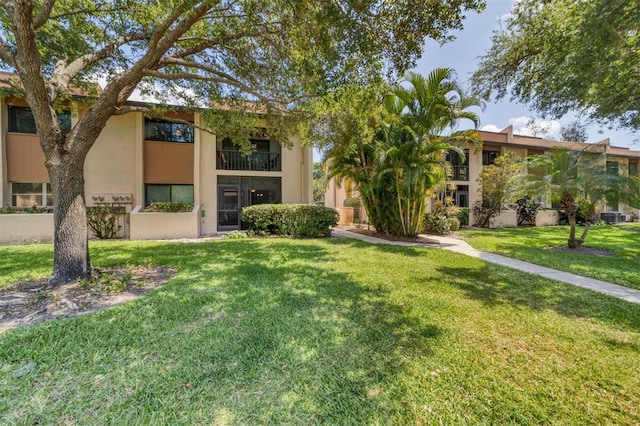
4 184
111 163
26 228
162 226
547 218
506 219
296 174
208 182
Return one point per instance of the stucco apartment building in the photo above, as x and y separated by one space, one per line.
465 173
138 160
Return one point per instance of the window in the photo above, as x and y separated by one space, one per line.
459 168
31 194
612 168
168 193
488 157
167 131
633 169
21 120
235 192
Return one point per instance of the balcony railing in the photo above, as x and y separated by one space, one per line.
230 159
460 173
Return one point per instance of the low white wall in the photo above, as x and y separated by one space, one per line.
547 218
26 228
506 219
164 226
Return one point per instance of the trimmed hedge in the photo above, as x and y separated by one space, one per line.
297 220
169 207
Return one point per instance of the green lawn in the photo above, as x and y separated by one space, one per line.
333 332
531 245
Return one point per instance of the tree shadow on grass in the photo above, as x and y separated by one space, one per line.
496 285
253 330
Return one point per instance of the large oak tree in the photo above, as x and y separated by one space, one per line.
568 55
275 52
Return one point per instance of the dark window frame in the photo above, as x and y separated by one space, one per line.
174 132
170 186
64 120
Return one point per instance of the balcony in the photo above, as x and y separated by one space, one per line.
231 159
459 173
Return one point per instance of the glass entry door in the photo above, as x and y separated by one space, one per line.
228 207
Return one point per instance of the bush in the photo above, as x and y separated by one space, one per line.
355 203
463 216
526 209
297 220
169 207
103 220
443 218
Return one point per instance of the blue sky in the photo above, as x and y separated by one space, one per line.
463 54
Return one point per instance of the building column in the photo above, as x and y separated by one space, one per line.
4 185
138 196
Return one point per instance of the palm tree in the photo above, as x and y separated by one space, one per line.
397 165
578 180
414 146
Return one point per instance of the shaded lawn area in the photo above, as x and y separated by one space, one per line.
530 244
281 331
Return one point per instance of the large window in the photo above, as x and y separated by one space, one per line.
633 169
236 192
167 131
168 193
31 194
21 120
459 168
612 168
488 157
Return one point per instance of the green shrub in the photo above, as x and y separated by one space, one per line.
355 203
169 207
463 216
103 220
297 220
26 210
235 235
443 218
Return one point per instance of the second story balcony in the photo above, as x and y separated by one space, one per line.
459 173
260 161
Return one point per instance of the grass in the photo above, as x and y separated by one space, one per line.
324 332
530 244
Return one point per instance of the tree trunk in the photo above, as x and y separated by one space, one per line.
71 247
571 242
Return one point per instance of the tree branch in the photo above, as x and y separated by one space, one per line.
42 16
64 73
6 53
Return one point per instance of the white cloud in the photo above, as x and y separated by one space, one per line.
529 126
491 128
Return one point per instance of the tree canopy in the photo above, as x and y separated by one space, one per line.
393 147
568 55
272 53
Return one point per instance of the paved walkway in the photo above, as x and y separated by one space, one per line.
459 246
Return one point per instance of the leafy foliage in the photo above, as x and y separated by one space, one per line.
578 180
526 209
587 62
297 220
319 182
169 207
443 218
103 220
394 148
498 188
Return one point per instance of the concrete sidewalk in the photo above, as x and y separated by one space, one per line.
459 246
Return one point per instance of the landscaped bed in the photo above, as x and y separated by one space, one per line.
337 331
610 253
